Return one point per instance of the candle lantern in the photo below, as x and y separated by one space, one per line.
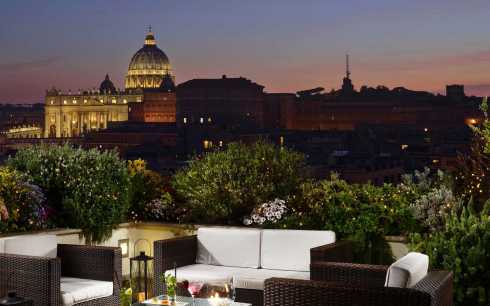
12 299
139 270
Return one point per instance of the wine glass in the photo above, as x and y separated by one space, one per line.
230 291
194 288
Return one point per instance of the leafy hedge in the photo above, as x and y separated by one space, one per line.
87 189
224 186
362 213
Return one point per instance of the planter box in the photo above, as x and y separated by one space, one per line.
398 245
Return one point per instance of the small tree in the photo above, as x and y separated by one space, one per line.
88 189
224 186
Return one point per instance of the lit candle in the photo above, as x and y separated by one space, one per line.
217 301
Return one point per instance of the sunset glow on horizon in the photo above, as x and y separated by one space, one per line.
284 45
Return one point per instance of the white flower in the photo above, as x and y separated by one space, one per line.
271 211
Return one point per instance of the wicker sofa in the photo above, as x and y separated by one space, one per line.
244 257
52 274
337 283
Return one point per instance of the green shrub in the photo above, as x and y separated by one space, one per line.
462 246
88 189
22 205
225 186
362 213
149 196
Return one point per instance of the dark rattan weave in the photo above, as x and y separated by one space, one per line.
39 278
355 284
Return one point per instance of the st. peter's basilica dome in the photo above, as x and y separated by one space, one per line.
148 66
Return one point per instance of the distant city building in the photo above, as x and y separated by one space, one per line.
22 120
225 102
24 131
149 95
159 105
455 92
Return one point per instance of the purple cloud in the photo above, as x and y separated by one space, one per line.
38 63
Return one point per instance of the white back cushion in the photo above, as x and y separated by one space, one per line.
290 249
407 271
31 245
228 247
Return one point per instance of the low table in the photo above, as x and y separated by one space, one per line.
187 301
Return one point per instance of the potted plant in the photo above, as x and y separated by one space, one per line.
171 284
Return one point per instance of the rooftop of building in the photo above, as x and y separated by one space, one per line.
223 82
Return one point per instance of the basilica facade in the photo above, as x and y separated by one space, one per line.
149 80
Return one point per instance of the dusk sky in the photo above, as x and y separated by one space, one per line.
284 45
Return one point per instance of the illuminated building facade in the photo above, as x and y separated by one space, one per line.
24 131
72 115
149 96
159 105
148 66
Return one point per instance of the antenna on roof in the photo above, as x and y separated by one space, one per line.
347 67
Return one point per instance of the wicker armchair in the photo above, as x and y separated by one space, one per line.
337 283
183 250
38 278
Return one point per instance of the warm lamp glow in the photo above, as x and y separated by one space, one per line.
124 245
141 296
217 301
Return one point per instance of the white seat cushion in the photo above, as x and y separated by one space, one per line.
407 271
290 249
77 290
209 274
30 245
230 247
255 278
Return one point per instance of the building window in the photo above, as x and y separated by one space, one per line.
205 144
64 102
209 120
74 101
52 102
114 101
85 101
404 146
281 140
221 143
125 101
101 101
185 120
201 120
